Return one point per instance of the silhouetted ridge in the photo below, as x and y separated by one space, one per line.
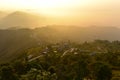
21 19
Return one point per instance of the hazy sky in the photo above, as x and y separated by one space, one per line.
85 12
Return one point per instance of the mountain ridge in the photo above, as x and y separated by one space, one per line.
21 19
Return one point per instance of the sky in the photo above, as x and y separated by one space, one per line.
85 12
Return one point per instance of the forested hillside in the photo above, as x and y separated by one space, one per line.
97 60
13 40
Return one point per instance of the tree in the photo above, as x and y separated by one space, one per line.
35 74
7 72
101 71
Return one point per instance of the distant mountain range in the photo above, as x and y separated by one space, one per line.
20 19
13 41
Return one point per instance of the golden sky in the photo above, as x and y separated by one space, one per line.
90 12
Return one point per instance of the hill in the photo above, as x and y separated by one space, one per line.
13 41
3 14
79 34
22 20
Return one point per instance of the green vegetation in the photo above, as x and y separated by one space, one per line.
97 60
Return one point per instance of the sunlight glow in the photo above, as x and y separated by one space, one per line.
86 12
48 7
57 7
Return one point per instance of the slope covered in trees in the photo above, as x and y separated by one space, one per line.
13 41
97 60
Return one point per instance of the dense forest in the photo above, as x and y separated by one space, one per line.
96 60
